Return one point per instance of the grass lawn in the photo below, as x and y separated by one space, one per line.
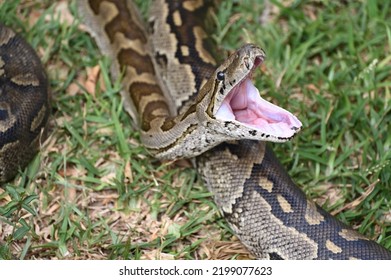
93 192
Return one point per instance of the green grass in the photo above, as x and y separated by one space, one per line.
95 193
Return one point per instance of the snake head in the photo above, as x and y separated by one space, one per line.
237 111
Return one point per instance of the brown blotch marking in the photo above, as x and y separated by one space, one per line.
25 80
284 204
168 124
331 246
200 36
156 108
312 215
192 5
351 235
266 184
39 118
140 90
153 97
131 28
177 18
142 63
148 114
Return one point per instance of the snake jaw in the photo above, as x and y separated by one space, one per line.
243 109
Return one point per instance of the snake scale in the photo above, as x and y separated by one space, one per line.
186 105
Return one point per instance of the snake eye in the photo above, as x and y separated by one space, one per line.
220 76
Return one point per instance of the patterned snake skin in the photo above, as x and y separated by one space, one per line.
24 103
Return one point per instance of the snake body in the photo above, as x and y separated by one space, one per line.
24 103
265 209
174 91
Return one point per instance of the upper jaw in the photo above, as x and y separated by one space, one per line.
244 106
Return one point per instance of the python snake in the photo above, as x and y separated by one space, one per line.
24 103
185 107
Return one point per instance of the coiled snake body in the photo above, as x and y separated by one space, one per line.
24 103
186 106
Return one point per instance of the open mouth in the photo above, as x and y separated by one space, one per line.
244 105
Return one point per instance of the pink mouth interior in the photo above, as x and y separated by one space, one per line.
245 105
